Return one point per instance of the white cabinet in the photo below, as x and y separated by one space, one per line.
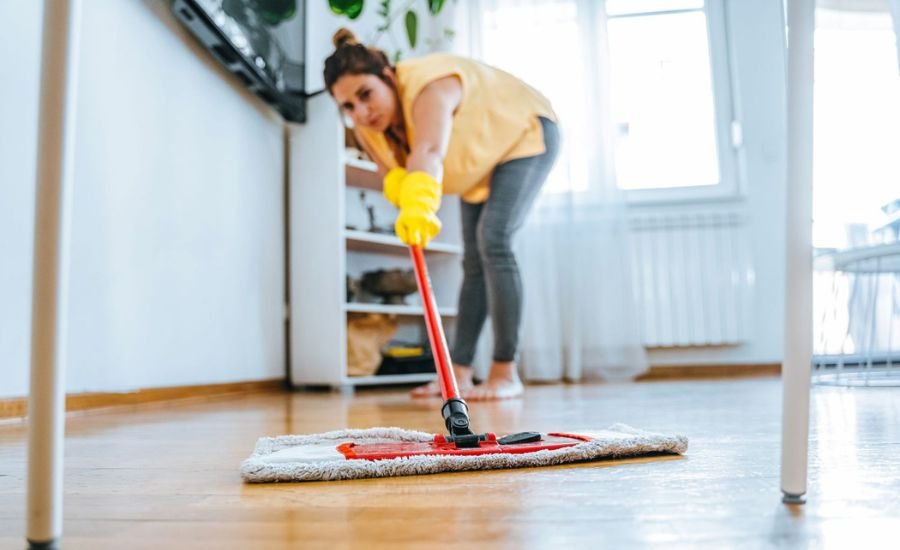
330 239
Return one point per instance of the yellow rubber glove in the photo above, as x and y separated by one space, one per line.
392 184
419 200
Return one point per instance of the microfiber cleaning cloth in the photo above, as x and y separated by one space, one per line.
389 452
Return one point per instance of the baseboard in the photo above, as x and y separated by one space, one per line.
700 372
17 407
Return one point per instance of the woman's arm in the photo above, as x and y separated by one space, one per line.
418 194
432 114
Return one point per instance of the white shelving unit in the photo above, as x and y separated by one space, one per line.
333 203
365 241
358 307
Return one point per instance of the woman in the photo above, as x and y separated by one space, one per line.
444 124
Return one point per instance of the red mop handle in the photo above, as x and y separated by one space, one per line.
442 360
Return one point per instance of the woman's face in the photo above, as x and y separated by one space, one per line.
368 100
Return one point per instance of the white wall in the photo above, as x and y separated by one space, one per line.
322 23
756 37
177 271
18 135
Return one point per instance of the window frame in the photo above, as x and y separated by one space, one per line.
727 122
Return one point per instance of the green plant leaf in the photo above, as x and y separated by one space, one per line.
274 12
412 28
384 12
435 6
350 8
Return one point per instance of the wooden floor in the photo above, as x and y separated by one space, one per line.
165 476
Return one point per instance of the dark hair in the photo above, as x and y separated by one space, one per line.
351 57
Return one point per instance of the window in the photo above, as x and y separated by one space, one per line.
664 81
671 101
856 178
856 127
507 41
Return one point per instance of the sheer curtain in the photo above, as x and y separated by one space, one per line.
580 316
895 13
869 6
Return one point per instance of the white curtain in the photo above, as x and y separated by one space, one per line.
869 6
895 13
580 316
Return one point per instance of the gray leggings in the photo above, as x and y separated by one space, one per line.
491 280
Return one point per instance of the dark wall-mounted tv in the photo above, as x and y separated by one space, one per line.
261 42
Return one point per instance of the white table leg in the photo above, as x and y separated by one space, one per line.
798 337
46 405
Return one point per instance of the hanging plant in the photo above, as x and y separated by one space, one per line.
384 12
350 8
412 27
387 15
435 6
274 12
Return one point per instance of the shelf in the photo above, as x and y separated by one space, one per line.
326 178
362 174
365 241
361 307
362 164
419 378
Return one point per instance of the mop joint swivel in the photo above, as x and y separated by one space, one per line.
456 417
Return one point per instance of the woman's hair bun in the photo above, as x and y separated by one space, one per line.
344 37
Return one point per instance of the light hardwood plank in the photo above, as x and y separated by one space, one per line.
154 476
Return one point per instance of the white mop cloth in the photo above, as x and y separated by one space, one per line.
315 458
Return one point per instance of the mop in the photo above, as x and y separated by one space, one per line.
388 452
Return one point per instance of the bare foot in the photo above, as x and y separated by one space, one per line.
494 389
433 389
502 383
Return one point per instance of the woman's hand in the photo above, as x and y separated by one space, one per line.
417 226
419 200
392 184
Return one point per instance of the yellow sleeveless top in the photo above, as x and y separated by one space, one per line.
496 121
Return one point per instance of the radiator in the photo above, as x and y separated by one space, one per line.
693 278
